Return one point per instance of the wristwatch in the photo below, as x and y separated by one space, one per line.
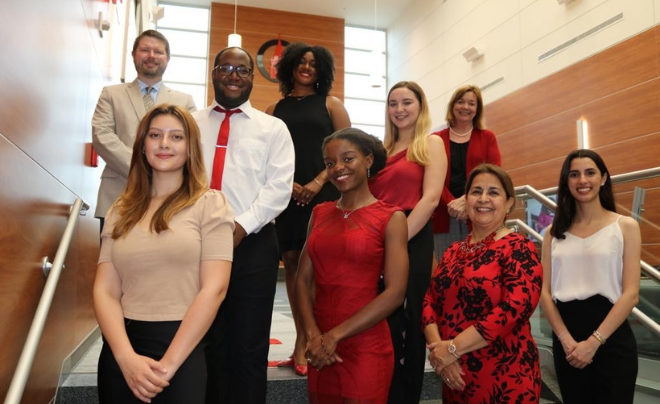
452 349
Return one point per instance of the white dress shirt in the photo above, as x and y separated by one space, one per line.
259 165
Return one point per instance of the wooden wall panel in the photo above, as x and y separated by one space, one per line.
632 155
624 115
257 26
544 174
529 144
619 68
618 93
32 221
651 254
51 79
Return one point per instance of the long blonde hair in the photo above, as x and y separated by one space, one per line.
418 150
132 205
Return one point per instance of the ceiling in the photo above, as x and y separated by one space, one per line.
354 12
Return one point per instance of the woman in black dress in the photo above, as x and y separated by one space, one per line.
305 74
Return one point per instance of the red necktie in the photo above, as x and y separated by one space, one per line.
221 148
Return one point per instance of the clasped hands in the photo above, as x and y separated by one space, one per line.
145 377
321 351
303 195
446 365
458 209
579 354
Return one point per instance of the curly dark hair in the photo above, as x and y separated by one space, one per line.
368 144
325 67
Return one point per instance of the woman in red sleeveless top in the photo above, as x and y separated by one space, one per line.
351 243
412 180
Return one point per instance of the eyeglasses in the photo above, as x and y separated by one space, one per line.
227 70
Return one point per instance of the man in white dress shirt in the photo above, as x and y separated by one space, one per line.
257 179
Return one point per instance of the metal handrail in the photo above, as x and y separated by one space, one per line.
646 320
651 272
647 269
616 179
17 386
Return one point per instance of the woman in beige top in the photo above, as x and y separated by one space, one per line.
164 267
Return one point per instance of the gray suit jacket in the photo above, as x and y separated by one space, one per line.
114 126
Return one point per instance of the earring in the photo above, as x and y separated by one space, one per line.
143 152
368 172
317 85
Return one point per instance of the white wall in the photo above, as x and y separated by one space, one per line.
426 43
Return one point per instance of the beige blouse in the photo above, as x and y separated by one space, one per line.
160 272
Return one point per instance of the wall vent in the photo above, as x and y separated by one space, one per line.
492 83
580 37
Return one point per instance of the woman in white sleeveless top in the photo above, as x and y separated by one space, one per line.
591 284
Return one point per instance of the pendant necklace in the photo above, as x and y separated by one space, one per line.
300 97
347 214
461 134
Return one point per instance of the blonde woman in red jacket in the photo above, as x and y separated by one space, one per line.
467 144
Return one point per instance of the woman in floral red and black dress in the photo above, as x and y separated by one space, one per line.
477 309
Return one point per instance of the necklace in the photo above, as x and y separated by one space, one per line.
461 134
300 97
467 250
347 214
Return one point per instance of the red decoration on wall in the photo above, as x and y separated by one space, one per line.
276 57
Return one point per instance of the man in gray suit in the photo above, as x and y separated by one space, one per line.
120 109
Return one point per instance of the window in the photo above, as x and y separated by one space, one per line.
187 30
365 104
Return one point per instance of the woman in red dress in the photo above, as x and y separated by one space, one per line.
351 242
477 309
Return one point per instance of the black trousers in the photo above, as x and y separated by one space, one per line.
405 323
237 353
610 378
152 338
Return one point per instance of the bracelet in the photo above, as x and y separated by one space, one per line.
317 183
323 346
562 335
599 337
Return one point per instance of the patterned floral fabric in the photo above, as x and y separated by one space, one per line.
496 291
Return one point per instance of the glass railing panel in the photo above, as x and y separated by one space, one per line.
648 343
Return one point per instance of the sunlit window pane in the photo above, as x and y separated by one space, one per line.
360 38
358 86
378 131
365 112
362 62
185 43
198 92
184 18
186 70
365 104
